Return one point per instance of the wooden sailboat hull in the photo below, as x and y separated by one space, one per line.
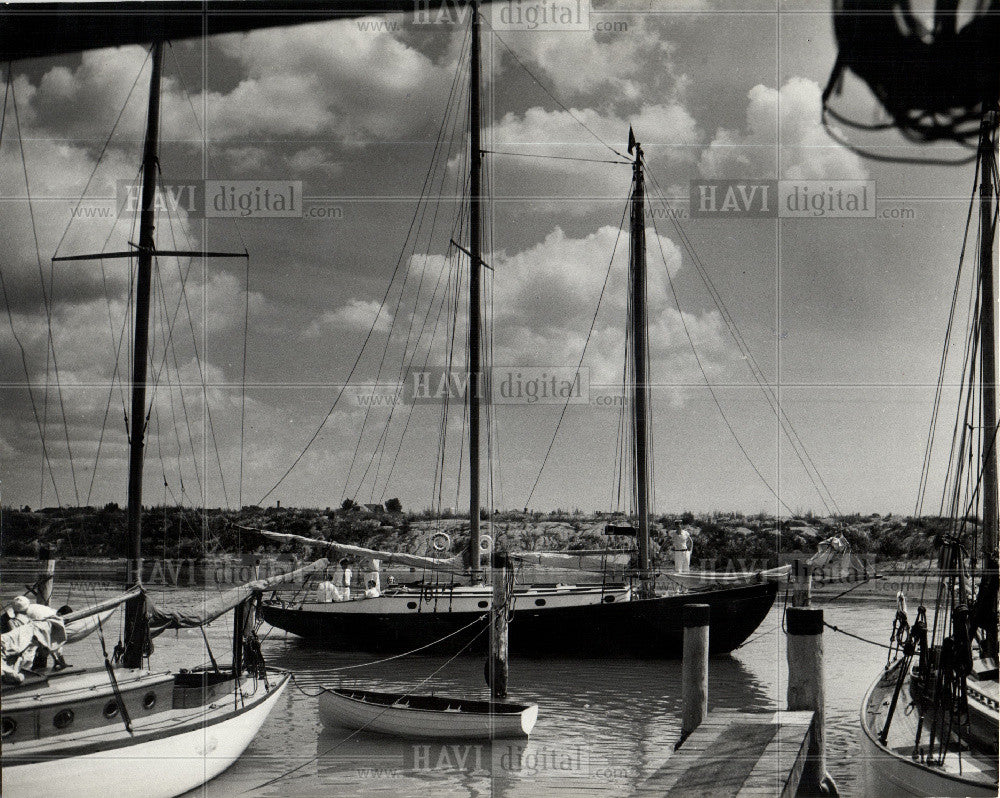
168 754
889 770
434 717
633 628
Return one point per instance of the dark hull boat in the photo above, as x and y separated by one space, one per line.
648 627
562 620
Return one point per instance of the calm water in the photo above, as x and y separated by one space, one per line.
603 726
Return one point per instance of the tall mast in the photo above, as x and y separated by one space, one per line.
987 158
640 379
475 299
135 613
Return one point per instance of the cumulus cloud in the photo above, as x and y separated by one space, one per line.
341 79
357 315
632 63
789 120
548 293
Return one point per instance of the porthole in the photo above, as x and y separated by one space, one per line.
609 599
9 727
111 710
483 605
149 701
539 602
63 718
411 605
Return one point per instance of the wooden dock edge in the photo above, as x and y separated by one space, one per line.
735 753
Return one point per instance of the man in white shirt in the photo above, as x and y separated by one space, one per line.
345 579
327 591
682 545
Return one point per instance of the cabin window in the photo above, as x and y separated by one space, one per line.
111 710
411 605
9 727
539 602
149 701
609 599
483 605
63 718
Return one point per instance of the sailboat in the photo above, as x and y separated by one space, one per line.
556 619
930 721
129 729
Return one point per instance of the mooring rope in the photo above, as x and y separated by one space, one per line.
360 729
856 637
400 656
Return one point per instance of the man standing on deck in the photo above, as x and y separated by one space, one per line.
345 579
682 544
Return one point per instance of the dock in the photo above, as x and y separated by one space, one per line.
734 753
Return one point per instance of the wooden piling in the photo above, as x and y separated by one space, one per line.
498 663
46 579
806 692
801 584
694 668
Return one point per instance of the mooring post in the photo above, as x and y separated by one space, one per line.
46 579
694 669
801 584
498 664
806 692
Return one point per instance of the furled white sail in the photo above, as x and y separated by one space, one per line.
450 564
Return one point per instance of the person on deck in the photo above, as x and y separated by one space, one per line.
372 590
345 579
374 574
49 632
327 591
682 544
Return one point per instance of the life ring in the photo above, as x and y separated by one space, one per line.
485 544
441 541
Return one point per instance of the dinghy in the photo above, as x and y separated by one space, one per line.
440 717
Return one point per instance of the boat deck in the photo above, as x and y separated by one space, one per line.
736 754
959 761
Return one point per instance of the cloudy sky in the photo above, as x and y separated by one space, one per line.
844 317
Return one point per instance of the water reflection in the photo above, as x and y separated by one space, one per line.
621 716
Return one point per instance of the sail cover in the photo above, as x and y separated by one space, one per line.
101 607
451 564
199 613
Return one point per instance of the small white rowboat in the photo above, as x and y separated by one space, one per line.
425 716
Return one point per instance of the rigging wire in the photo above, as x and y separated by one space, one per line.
557 157
47 297
798 445
421 213
555 99
357 360
708 384
925 468
10 319
179 72
583 353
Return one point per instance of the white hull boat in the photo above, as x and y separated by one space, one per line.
435 717
172 749
895 768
